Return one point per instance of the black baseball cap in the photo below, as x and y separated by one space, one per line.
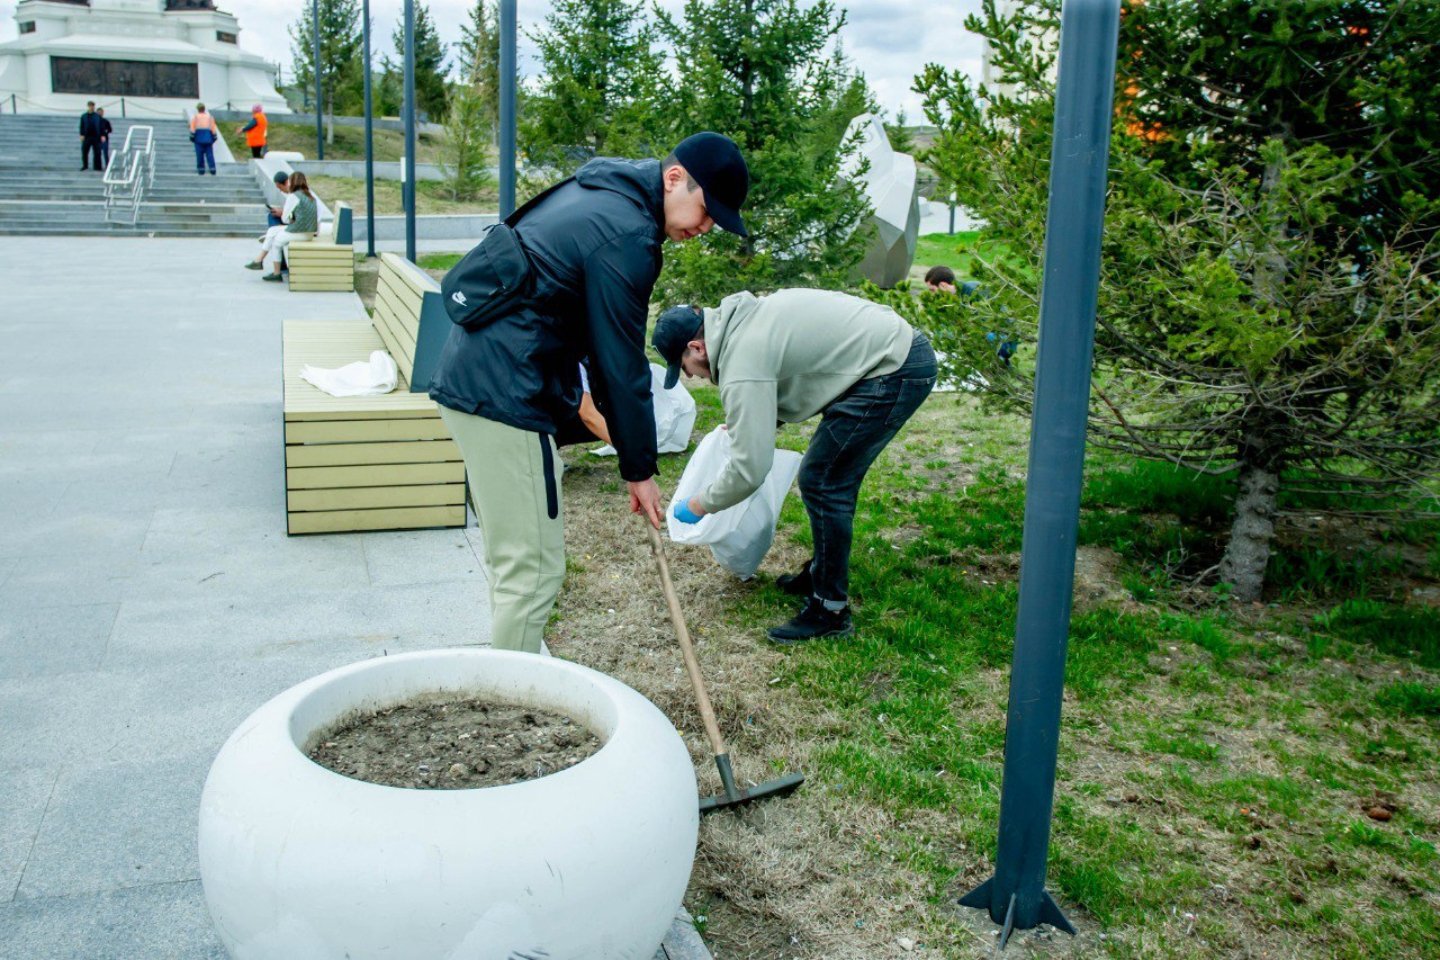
715 162
674 329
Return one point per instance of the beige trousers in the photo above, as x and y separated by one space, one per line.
515 486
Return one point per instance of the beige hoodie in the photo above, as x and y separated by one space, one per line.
786 357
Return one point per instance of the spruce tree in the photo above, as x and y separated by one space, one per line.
596 93
340 54
1268 304
431 89
769 74
478 57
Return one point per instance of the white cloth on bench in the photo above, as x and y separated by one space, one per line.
362 378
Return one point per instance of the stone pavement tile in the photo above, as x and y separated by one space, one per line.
429 615
22 805
21 450
115 825
245 548
75 534
166 921
106 577
419 556
23 499
37 640
155 710
193 626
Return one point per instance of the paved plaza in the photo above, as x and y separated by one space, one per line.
149 596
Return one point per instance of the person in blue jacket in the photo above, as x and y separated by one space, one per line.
506 389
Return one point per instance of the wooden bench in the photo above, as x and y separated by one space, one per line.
372 463
328 261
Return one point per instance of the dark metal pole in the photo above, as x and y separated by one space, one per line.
507 108
369 143
1016 895
319 98
409 187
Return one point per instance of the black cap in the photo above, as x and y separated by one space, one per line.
281 176
674 329
714 161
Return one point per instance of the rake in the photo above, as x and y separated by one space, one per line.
734 795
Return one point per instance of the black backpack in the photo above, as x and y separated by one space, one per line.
495 277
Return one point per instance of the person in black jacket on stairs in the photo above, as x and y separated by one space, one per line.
92 126
506 388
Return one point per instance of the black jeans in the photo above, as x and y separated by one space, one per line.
853 430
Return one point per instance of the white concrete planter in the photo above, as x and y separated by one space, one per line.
591 862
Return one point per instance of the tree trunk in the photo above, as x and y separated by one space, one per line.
1248 552
1261 450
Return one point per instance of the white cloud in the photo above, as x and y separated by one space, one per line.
888 40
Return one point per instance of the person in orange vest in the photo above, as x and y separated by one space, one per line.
255 131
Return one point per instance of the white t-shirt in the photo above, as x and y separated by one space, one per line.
584 379
287 212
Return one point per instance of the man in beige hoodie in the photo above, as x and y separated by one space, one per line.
787 357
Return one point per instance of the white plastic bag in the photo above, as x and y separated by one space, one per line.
674 415
362 378
740 536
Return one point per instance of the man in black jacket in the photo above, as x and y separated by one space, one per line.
506 389
91 128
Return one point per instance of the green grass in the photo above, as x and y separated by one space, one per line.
439 261
432 197
957 251
922 712
349 143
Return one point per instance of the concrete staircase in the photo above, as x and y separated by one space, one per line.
43 191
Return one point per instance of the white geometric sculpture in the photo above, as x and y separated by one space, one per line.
589 863
890 185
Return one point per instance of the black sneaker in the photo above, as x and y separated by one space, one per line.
812 623
796 584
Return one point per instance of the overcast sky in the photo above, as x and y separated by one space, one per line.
889 40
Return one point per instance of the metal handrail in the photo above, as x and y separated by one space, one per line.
130 173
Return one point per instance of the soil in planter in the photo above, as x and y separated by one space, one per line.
453 744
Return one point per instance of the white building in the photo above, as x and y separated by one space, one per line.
161 56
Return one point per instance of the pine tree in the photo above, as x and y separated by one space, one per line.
340 55
1268 304
431 89
597 89
901 140
769 74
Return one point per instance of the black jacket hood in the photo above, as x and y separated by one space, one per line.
637 180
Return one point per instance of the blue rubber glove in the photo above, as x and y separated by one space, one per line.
684 514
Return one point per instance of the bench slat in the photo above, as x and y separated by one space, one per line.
364 431
396 518
374 475
362 454
370 498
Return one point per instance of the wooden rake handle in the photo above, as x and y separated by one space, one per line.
682 633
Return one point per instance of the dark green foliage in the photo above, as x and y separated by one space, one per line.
1411 699
763 72
477 57
340 67
599 91
1268 301
431 93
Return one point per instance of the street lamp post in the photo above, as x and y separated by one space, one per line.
507 108
409 185
1015 896
369 144
319 98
